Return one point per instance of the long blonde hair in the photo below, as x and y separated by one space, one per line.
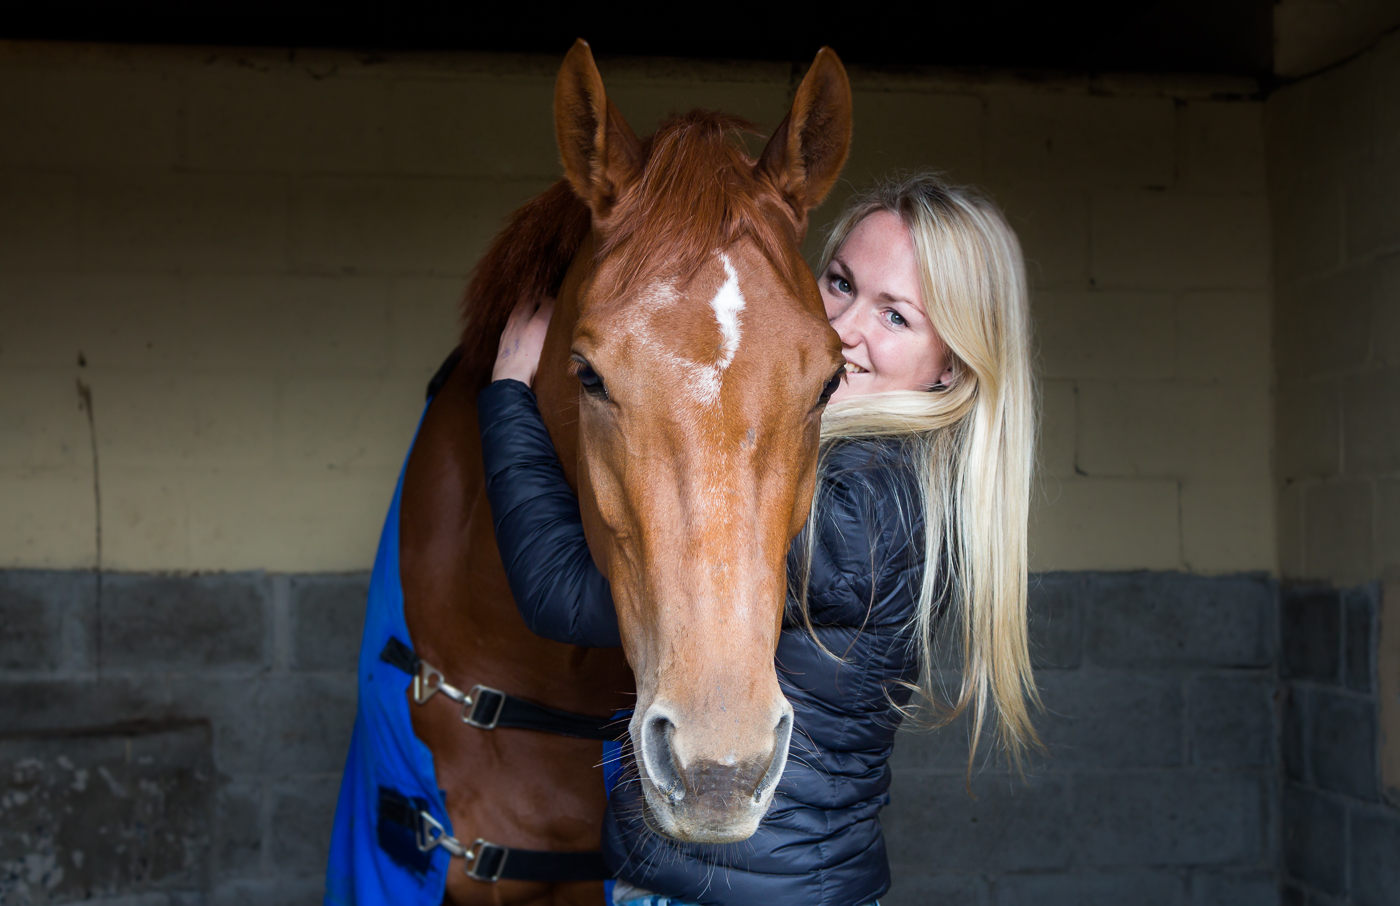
973 446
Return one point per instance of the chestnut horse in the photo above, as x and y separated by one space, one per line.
682 381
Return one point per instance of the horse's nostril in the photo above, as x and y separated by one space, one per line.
782 736
660 759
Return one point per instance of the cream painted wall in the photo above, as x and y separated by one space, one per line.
250 262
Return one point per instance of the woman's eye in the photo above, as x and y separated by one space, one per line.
897 319
590 380
840 284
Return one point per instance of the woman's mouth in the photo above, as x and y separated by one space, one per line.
853 368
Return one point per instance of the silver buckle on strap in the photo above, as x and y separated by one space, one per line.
479 693
474 860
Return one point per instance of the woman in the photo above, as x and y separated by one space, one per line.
926 460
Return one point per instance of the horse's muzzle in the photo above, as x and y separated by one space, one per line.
708 799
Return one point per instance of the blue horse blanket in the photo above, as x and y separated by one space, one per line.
373 861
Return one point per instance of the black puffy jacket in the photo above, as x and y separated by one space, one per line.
820 843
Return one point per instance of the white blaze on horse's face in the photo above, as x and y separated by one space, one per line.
727 304
705 378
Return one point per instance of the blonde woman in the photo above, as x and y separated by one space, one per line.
917 534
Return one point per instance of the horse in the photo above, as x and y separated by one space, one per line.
682 382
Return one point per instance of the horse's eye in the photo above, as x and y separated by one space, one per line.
591 381
832 386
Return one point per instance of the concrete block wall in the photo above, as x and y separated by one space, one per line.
1158 784
1160 773
172 740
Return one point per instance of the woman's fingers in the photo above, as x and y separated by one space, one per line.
518 355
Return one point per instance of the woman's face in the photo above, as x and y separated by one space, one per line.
874 301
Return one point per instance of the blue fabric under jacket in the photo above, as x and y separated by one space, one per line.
820 844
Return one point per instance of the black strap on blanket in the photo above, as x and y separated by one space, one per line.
491 708
401 817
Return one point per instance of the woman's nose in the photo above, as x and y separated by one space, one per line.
846 324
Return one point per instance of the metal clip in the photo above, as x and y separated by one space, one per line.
482 696
426 682
431 835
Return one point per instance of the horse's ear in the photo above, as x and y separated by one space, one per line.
805 155
601 154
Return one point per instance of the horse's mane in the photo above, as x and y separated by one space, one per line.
697 193
526 260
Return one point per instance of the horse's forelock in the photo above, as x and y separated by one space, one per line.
697 194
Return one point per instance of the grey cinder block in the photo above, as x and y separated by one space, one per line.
1170 818
171 623
273 723
913 886
1314 840
47 620
1009 826
277 892
1294 743
1110 719
1342 744
1375 857
303 810
238 830
1359 609
37 706
1311 630
1055 625
1156 620
309 720
1087 888
1231 721
1238 888
328 615
939 751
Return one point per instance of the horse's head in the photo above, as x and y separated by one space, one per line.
703 359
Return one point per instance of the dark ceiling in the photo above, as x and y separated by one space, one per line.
1209 36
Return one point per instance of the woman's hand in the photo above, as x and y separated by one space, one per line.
518 356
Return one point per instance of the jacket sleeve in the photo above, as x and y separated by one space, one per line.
558 589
